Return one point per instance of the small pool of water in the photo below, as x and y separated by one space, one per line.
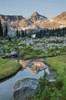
7 86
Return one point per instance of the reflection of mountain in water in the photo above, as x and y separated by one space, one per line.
34 65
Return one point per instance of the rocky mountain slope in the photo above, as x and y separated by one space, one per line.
35 21
60 19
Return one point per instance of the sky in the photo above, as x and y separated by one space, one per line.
26 8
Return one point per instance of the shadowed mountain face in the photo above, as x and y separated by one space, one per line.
33 22
10 18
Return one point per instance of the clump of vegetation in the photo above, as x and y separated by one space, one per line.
48 90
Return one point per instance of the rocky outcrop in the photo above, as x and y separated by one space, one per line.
25 88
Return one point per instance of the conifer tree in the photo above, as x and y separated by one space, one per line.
6 30
1 29
23 35
17 32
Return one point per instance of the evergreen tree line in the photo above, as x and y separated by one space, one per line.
3 32
21 33
53 32
43 33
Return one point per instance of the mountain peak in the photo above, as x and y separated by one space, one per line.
35 13
61 16
36 16
64 13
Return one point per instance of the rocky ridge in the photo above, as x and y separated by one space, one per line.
35 21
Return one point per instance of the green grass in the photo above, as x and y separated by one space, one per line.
58 64
57 41
53 51
30 53
33 55
8 67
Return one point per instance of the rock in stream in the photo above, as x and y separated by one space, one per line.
25 88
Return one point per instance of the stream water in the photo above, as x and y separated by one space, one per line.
6 87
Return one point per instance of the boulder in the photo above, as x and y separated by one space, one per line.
7 54
12 49
1 52
24 89
20 47
57 51
13 53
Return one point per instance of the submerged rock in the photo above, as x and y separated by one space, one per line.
25 88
